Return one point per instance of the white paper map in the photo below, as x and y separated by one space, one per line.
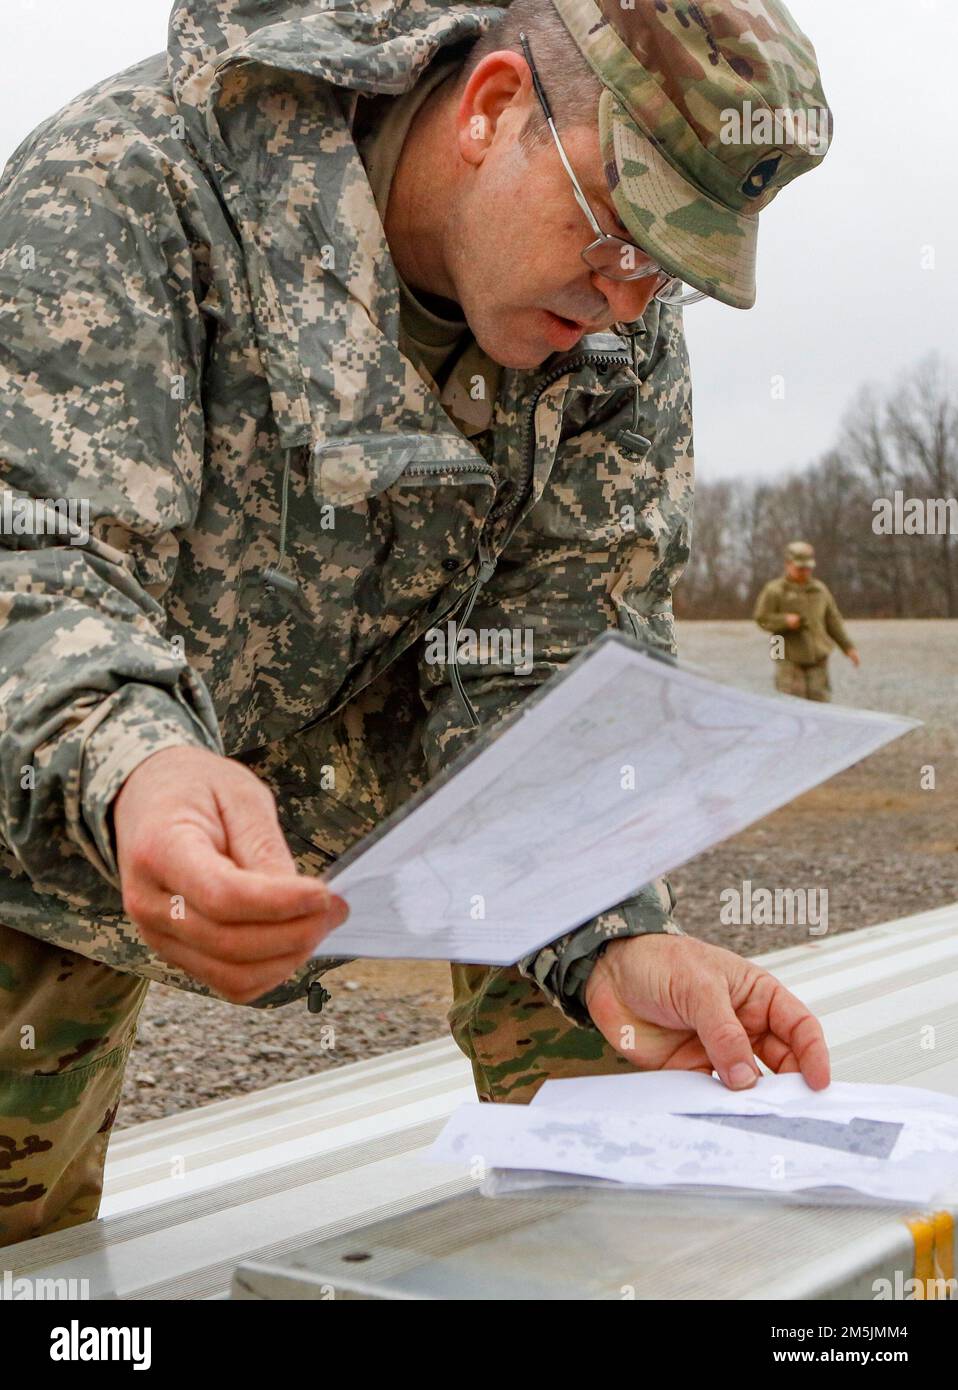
678 1129
622 769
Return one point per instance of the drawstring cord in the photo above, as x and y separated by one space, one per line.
487 568
633 349
273 576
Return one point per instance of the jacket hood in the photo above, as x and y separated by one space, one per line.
263 89
360 46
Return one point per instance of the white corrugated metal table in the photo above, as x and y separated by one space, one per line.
189 1198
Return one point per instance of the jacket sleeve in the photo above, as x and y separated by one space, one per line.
835 627
767 613
101 348
601 548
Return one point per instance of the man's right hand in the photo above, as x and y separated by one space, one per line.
793 620
208 877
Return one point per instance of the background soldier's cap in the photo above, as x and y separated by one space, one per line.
687 122
800 553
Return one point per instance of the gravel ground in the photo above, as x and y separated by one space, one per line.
881 845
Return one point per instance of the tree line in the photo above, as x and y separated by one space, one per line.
880 508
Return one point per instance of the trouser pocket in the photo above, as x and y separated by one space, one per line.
54 1132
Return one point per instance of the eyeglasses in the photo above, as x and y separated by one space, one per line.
612 256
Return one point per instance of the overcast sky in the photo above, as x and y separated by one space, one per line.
844 297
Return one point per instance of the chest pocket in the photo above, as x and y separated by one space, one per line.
603 485
408 510
352 468
426 528
376 529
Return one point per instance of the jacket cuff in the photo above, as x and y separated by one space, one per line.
135 722
562 969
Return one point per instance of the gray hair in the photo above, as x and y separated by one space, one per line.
572 87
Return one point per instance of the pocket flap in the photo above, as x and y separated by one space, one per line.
353 466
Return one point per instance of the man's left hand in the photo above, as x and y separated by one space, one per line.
853 656
667 1001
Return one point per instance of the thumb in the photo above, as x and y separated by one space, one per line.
725 1041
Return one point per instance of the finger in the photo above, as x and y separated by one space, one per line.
253 835
223 892
776 1055
782 1060
617 1025
250 941
675 1049
690 1056
240 984
799 1030
724 1039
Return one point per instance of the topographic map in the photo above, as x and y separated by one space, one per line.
620 769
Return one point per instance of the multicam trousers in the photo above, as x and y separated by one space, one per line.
66 1028
807 682
67 1025
516 1040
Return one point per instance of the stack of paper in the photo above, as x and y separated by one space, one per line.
684 1129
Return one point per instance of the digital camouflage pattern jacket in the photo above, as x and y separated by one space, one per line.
198 319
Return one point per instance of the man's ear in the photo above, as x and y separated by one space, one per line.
497 97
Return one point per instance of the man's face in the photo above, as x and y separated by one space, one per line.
798 574
516 231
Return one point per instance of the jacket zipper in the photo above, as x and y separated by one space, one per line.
515 504
437 468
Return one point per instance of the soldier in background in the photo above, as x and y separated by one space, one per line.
800 609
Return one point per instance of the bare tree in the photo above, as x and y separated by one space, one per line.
923 419
866 446
906 443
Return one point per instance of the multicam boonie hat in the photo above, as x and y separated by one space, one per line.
800 553
709 110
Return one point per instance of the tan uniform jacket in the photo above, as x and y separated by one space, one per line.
822 625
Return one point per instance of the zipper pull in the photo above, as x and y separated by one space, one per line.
276 579
487 568
487 564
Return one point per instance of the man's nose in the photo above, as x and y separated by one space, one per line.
628 299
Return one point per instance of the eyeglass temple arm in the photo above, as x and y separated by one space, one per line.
540 93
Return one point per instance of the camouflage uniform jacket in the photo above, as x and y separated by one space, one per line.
198 319
821 626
